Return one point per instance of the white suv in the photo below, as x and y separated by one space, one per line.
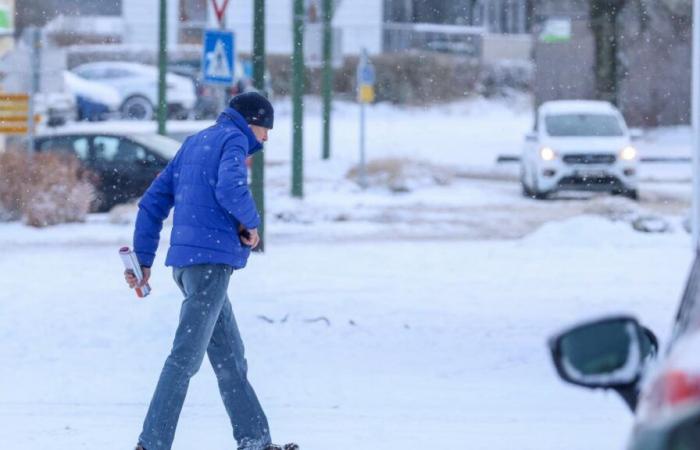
579 145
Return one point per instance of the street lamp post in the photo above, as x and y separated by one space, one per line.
298 100
258 175
162 109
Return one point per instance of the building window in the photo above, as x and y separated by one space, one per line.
497 16
193 21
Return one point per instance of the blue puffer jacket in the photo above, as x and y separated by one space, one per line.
207 183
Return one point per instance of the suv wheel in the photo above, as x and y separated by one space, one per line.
137 108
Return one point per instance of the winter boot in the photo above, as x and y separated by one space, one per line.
285 447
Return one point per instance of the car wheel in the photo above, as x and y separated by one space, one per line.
538 195
632 194
137 108
531 192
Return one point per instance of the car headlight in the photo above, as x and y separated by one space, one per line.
547 154
628 153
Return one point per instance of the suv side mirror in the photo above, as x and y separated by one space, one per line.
609 353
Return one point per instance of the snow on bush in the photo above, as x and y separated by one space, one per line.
44 189
415 78
402 175
13 168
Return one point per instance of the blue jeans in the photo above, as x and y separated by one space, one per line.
207 325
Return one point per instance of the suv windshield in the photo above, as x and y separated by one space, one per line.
583 125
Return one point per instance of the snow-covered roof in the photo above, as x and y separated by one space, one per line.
577 106
100 92
87 25
135 68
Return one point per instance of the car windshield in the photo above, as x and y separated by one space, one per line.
166 146
583 125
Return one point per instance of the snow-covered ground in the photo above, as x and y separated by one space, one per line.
375 319
376 345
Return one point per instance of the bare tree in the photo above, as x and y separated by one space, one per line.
606 28
604 25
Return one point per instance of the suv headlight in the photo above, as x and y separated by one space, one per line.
628 153
547 154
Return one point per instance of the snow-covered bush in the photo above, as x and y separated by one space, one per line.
416 78
44 189
402 175
502 78
13 183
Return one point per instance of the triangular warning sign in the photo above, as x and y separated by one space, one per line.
219 10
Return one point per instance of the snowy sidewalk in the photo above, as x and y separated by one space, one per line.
379 345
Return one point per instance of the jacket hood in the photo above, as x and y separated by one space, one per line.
231 117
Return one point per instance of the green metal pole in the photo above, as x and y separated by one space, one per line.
258 178
298 100
327 76
162 68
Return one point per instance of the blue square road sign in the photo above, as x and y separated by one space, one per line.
218 57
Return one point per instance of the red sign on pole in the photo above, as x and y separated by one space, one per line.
220 10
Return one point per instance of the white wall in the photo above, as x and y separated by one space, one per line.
360 20
141 19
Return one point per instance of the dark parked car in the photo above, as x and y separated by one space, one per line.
121 165
618 353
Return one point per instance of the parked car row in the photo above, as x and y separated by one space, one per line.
113 89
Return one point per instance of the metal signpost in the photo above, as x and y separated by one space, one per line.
696 126
218 58
365 94
162 67
35 61
298 99
323 50
258 175
327 77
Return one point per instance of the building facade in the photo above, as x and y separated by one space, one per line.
7 25
653 59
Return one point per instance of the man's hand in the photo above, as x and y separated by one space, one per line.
249 237
131 278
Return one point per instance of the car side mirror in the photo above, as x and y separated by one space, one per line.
531 137
608 353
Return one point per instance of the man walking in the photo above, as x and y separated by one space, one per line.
214 229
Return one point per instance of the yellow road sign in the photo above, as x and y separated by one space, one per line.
366 93
14 113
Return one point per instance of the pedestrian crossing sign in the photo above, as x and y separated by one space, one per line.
218 57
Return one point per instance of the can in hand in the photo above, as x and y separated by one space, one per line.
131 263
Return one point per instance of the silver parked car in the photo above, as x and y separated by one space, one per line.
137 85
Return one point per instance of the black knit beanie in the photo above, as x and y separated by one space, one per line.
255 109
